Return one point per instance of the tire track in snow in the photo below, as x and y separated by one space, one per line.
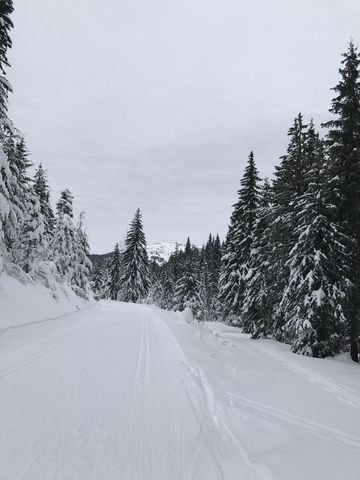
141 376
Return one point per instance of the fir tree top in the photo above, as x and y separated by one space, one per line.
65 203
245 209
344 131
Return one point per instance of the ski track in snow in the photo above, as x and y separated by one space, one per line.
43 352
337 437
119 392
340 391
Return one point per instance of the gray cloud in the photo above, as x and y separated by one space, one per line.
157 103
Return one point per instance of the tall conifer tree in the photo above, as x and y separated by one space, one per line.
343 142
41 189
135 280
114 285
235 261
257 307
313 301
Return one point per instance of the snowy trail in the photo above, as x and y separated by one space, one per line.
125 391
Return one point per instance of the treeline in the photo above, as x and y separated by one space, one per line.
290 264
189 279
36 244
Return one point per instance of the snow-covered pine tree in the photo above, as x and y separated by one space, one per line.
257 306
30 248
204 282
167 288
64 250
6 9
19 188
188 294
313 302
135 280
97 282
7 228
212 256
42 190
343 142
4 203
114 278
288 184
235 261
80 280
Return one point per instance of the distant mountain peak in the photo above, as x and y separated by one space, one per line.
157 252
160 252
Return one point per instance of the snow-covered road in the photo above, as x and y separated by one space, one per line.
122 391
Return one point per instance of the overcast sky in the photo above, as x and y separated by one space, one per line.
157 103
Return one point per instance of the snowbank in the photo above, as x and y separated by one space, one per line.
22 304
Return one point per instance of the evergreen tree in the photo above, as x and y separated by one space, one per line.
30 248
16 186
318 282
41 188
4 203
235 262
257 306
83 265
6 9
114 280
188 295
343 142
135 278
288 185
64 249
97 282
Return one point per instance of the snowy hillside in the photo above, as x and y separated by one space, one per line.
161 252
126 391
23 304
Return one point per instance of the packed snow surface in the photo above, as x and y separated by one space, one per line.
122 391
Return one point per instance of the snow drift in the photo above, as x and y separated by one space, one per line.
21 304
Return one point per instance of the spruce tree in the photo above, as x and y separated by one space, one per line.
97 282
288 185
235 262
16 186
135 278
30 248
80 280
114 279
313 302
188 294
64 250
6 9
210 276
257 307
343 143
42 190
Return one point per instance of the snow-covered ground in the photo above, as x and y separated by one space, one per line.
22 304
122 391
